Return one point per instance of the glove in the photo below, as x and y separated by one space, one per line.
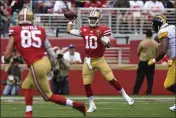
151 61
169 62
88 63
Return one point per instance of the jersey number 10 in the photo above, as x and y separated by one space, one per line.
91 42
29 39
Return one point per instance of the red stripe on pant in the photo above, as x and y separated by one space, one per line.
37 84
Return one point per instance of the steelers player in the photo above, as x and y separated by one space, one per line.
166 35
31 42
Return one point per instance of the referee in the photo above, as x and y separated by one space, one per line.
147 49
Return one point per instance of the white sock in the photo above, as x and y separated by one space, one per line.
69 102
123 93
91 99
28 108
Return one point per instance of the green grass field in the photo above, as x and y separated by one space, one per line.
108 106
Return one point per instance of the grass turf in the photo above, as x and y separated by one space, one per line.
150 106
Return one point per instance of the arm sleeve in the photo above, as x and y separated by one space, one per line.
106 31
75 32
49 50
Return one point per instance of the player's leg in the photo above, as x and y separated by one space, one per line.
108 75
87 75
170 82
40 79
27 86
173 108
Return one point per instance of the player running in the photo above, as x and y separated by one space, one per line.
31 42
94 51
166 35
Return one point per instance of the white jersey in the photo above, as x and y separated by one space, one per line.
136 5
71 58
169 31
156 7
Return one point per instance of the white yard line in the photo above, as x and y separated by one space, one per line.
98 98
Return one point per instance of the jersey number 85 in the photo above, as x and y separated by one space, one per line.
29 39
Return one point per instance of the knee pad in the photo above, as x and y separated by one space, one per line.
109 76
87 79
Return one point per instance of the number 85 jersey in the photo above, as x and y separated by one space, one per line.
92 40
29 42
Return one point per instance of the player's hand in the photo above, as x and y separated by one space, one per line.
108 45
170 63
71 21
88 60
151 61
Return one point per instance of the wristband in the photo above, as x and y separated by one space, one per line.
71 23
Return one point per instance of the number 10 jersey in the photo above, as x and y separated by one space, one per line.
92 40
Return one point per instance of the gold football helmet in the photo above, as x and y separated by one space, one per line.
25 16
94 18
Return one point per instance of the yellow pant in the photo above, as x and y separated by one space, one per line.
171 76
38 77
99 64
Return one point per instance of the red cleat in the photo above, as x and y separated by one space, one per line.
28 114
80 106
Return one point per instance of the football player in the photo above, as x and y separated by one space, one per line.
94 59
166 35
31 42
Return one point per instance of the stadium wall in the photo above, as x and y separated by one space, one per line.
99 85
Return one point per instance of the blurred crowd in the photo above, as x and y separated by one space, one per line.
59 6
10 8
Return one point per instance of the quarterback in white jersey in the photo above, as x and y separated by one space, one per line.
166 36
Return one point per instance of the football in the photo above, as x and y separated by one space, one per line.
70 15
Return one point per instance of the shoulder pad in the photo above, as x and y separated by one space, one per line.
162 33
